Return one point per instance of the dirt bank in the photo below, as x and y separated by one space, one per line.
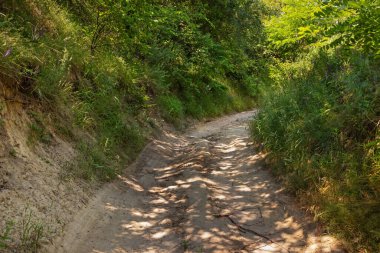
36 199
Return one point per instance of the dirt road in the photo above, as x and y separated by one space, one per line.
205 191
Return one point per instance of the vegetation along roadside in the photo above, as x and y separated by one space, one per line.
320 115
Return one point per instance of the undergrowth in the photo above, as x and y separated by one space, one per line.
320 112
103 67
320 125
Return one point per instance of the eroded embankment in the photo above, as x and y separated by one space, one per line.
36 198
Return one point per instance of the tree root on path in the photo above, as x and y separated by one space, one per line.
246 230
241 228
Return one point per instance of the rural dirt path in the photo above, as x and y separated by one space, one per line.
204 191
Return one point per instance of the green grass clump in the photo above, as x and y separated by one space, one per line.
32 232
320 126
171 108
5 235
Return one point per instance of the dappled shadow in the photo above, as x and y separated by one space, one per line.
206 194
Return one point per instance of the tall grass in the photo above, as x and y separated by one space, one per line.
319 123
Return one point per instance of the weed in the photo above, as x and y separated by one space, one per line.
65 131
92 163
37 130
31 233
4 235
13 152
37 133
185 245
172 108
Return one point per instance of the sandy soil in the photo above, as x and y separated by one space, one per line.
203 191
33 189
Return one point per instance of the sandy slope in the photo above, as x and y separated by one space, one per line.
33 188
205 191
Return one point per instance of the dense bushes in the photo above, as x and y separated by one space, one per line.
319 117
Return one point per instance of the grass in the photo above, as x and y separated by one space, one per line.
319 123
5 235
172 109
32 232
94 164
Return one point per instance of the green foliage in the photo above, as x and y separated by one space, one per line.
309 24
110 62
321 129
319 117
